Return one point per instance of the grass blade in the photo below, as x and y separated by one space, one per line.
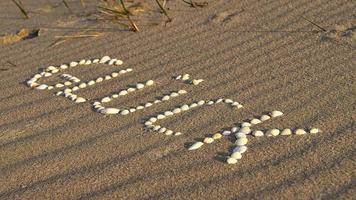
127 12
164 11
22 9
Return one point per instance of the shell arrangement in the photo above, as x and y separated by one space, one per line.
71 84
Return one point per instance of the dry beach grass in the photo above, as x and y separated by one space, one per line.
264 54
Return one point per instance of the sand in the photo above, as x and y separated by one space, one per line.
260 53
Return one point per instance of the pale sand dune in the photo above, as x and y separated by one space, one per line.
260 53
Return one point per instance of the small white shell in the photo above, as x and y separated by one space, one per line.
185 77
140 107
114 74
174 94
105 99
149 82
132 110
50 68
152 119
182 92
235 129
104 59
162 130
112 61
300 132
67 90
147 123
246 130
286 131
82 62
168 113
107 77
255 121
75 88
193 105
59 93
236 155
195 146
115 96
178 77
235 103
80 100
257 133
231 161
124 112
88 62
63 66
110 111
185 107
119 62
245 124
148 104
208 140
91 82
157 101
50 87
241 141
265 117
176 110
228 101
168 132
210 103
96 60
156 128
240 135
122 71
219 100
123 92
165 98
59 85
47 74
67 83
197 81
272 132
226 132
240 149
160 116
177 133
217 136
276 113
73 64
314 131
37 76
42 87
82 85
201 102
129 70
140 85
54 71
131 89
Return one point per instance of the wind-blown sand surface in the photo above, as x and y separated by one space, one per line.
260 53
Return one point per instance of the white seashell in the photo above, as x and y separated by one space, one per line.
235 104
54 71
185 107
67 90
160 116
314 131
37 76
118 62
80 100
197 81
114 74
42 87
255 121
59 85
156 128
75 88
236 155
107 77
129 70
240 149
122 71
226 132
219 100
178 77
96 60
50 68
286 131
63 66
50 87
231 161
240 135
228 101
185 77
208 140
177 133
47 74
300 132
73 64
195 146
59 93
98 80
152 119
217 136
246 130
276 113
157 101
76 80
72 97
165 98
115 96
245 124
132 110
174 94
140 107
112 61
241 141
88 62
201 102
168 132
110 111
140 86
193 105
91 82
99 109
105 99
149 82
82 85
123 92
257 133
67 94
124 112
148 104
162 130
67 83
210 103
104 59
82 62
147 123
239 106
131 89
265 117
176 110
235 129
168 113
182 92
272 132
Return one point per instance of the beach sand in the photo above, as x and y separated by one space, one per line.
263 54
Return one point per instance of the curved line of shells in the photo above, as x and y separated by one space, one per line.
186 78
49 71
149 124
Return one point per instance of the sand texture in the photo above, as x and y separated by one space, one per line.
263 54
